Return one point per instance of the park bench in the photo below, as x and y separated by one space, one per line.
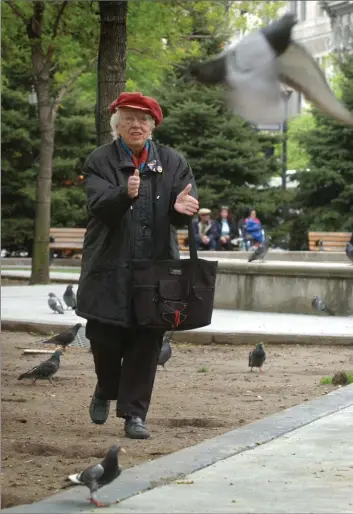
328 241
69 241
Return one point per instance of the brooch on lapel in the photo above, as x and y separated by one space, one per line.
153 166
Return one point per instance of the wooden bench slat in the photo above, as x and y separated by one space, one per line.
72 238
332 241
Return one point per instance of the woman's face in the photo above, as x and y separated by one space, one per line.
253 214
224 213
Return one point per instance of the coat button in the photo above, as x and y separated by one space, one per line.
144 176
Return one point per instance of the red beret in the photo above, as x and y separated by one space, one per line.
138 101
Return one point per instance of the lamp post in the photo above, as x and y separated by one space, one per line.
286 94
32 98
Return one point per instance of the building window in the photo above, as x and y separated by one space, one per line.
303 10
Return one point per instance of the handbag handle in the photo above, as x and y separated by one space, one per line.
192 242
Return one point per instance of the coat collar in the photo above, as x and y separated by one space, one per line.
124 162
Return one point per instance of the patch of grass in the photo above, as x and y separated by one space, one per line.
328 380
203 369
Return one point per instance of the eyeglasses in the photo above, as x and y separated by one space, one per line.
128 120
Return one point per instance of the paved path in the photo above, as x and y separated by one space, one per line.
309 471
29 304
299 460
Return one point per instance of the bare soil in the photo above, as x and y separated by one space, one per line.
207 390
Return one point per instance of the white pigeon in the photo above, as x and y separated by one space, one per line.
254 69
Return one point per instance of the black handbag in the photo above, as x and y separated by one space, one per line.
174 294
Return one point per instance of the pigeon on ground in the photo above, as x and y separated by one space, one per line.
320 305
64 339
55 304
254 69
99 475
349 251
257 357
166 351
45 370
69 297
260 252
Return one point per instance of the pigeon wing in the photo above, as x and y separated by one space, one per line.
256 254
297 68
250 358
44 370
91 476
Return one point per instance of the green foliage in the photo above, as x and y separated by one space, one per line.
75 139
298 157
326 191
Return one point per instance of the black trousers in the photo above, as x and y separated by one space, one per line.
125 362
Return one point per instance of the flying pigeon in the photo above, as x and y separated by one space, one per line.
349 251
99 475
320 305
55 304
69 297
166 351
261 251
64 338
254 69
45 370
257 357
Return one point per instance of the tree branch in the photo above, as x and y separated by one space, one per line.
16 10
58 17
68 84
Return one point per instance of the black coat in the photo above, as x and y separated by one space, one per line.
121 229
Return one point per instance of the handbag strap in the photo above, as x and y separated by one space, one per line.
191 236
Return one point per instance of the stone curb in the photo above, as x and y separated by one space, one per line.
180 464
234 338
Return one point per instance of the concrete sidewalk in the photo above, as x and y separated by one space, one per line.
309 471
299 460
27 307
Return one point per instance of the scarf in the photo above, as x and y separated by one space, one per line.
139 162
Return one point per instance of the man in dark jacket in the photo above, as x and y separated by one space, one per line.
205 231
137 193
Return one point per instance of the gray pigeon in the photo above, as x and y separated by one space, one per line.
69 297
257 357
254 69
320 305
260 252
99 475
64 338
55 304
166 351
349 251
45 370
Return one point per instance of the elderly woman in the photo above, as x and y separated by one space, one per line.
136 191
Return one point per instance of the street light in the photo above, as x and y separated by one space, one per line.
286 94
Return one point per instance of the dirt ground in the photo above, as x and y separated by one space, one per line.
207 390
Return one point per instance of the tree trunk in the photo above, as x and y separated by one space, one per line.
41 63
111 63
40 259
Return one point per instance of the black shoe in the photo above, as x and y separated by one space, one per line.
135 428
99 409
